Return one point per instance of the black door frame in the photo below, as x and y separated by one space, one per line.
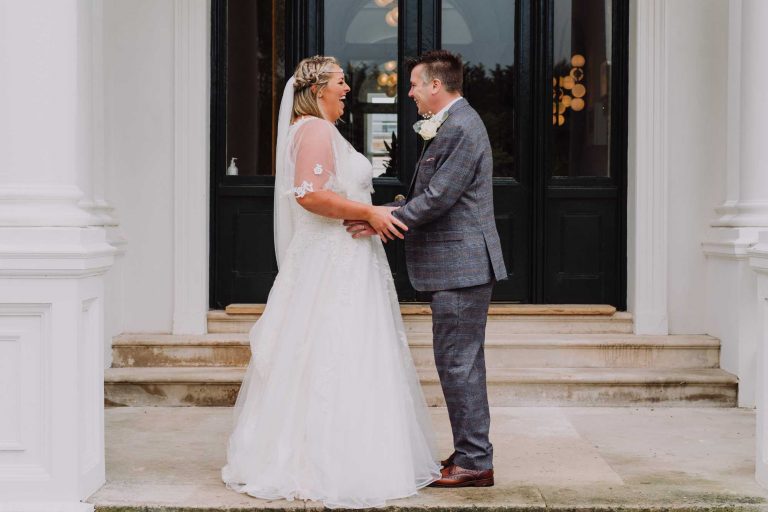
419 31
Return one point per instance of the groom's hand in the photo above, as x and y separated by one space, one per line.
359 228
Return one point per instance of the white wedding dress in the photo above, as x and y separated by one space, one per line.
331 408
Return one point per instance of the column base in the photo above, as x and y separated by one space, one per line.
51 366
731 310
742 214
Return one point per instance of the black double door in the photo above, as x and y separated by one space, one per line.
547 77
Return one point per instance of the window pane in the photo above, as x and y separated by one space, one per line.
255 78
581 106
362 35
484 34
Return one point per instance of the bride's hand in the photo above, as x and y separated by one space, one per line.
359 228
384 223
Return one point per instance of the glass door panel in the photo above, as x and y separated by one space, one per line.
485 38
254 84
581 88
362 35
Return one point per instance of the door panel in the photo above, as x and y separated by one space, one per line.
584 201
581 262
547 77
248 52
489 42
246 265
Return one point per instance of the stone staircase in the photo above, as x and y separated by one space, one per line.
536 355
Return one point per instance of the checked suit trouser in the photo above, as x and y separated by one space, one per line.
458 330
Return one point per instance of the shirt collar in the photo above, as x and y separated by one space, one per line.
441 115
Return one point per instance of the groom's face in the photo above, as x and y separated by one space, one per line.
421 90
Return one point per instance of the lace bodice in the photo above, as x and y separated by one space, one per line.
324 160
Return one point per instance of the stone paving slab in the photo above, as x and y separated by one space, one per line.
569 459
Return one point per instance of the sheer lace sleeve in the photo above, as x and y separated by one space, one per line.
314 157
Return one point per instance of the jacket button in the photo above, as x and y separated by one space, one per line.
399 197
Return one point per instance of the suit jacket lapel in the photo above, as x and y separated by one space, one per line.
455 106
418 166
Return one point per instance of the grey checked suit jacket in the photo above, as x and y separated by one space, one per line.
452 240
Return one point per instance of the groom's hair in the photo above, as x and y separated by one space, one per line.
442 65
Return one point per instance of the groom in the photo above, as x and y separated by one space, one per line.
453 251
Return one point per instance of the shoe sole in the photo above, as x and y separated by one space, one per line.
488 482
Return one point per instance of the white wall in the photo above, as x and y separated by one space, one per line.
138 99
697 127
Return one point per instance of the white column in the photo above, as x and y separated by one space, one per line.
191 175
747 204
751 210
759 262
53 255
744 213
648 168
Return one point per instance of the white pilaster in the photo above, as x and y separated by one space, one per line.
53 255
648 168
191 169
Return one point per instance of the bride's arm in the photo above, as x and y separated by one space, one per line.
330 204
315 170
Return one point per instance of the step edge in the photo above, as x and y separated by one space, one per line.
587 376
616 318
496 308
511 340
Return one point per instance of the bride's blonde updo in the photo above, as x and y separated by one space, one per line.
310 71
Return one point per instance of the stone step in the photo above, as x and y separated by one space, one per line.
495 308
506 387
502 351
141 350
502 319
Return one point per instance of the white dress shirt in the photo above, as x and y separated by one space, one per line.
440 115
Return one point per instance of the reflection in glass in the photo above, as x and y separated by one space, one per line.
581 113
485 38
362 35
255 69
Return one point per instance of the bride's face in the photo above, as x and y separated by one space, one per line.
331 98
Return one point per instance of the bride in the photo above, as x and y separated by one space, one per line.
331 408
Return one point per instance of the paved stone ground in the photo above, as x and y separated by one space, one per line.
168 459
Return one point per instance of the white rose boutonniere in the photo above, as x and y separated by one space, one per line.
427 128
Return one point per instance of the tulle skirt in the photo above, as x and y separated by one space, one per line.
331 408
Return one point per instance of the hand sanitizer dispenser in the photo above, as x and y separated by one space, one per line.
232 170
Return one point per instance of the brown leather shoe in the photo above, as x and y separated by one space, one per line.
448 462
456 476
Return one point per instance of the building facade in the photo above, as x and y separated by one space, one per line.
629 171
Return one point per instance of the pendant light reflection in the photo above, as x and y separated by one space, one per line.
568 91
387 79
391 17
